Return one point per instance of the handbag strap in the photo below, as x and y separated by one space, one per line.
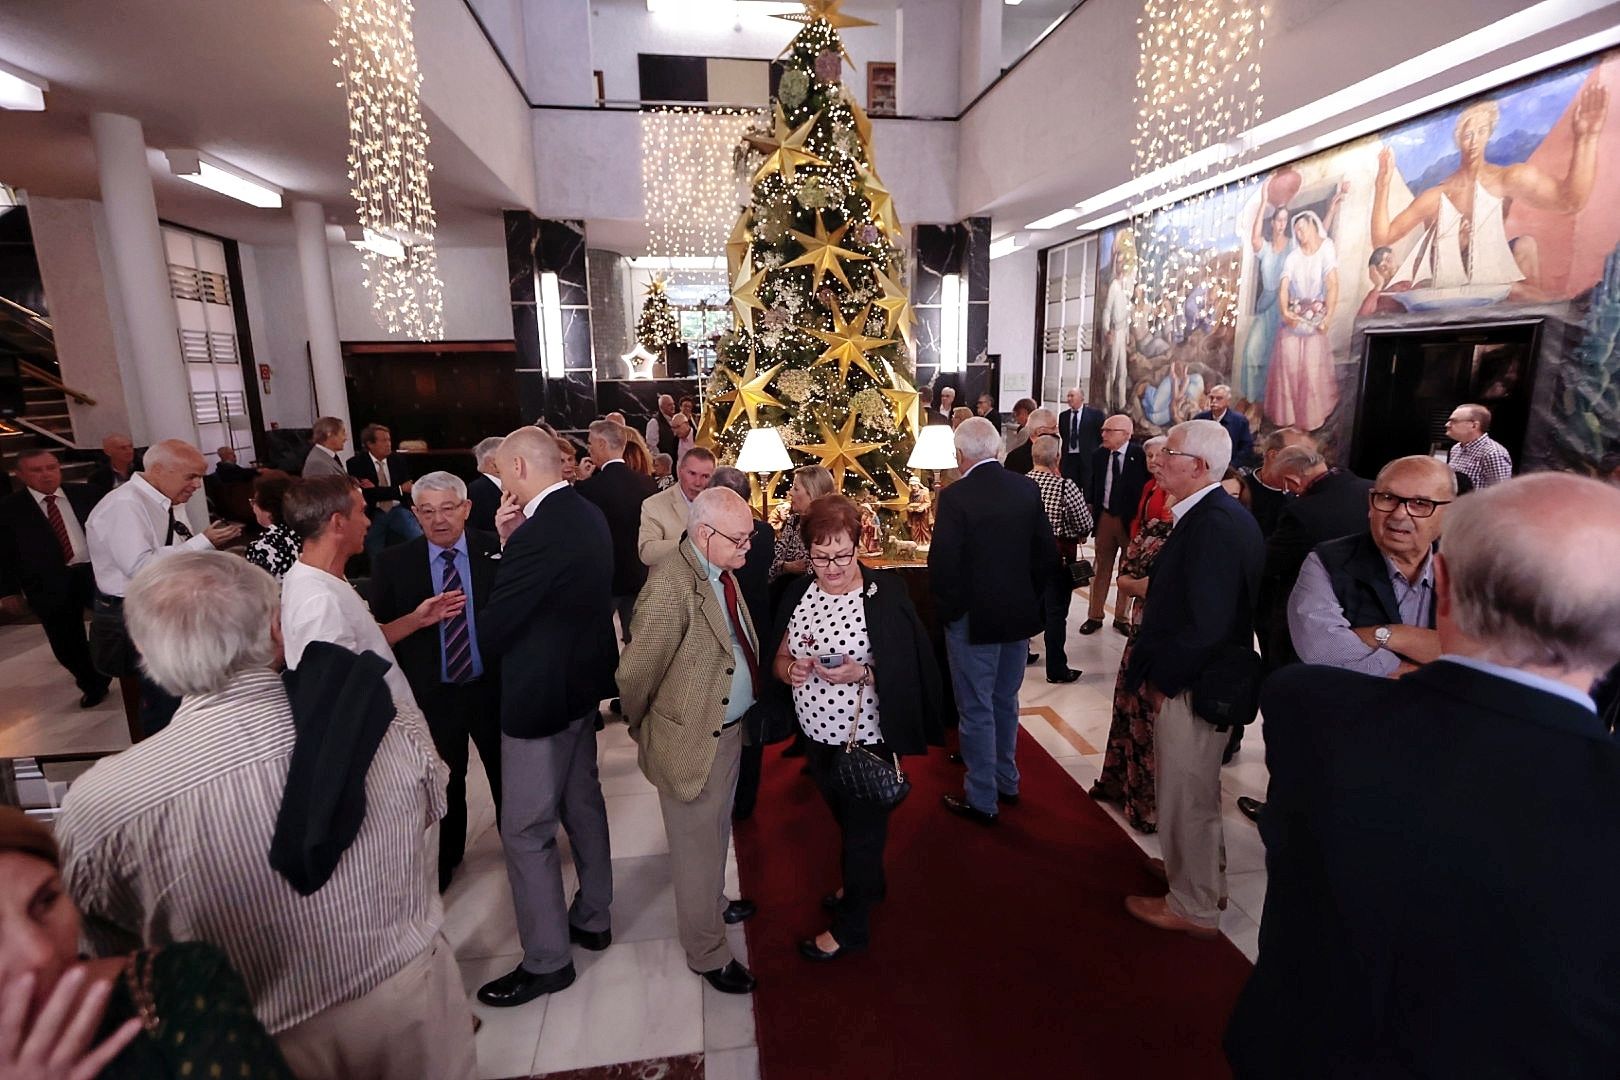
852 744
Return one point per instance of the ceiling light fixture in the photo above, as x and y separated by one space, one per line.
371 240
1052 221
21 90
194 168
1007 245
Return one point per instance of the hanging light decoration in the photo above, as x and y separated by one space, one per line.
689 178
1197 91
388 163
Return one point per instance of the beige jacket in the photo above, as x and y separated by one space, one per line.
663 520
675 674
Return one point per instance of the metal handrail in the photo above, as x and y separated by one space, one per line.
41 375
37 430
33 320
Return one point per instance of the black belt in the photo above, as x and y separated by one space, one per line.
110 602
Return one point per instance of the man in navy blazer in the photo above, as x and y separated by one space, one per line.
1200 600
549 623
1080 429
1441 891
992 556
1118 475
1235 423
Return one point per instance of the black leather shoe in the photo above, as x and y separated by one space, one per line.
811 951
1091 626
954 759
91 698
739 911
731 979
961 808
1005 799
594 940
1250 808
616 707
517 987
1123 627
1033 659
1069 675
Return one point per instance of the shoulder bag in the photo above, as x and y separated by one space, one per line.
862 775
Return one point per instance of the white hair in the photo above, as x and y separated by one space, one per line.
442 481
200 617
1042 417
977 440
1208 440
611 434
486 449
1296 460
1155 442
1046 450
170 454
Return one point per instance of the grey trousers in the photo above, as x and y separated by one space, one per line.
1187 775
544 783
699 833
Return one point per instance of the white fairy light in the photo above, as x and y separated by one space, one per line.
689 181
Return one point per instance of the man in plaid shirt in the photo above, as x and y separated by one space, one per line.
1071 522
1477 456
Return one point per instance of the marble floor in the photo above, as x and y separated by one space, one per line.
636 1001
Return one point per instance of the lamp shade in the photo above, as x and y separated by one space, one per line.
763 452
935 449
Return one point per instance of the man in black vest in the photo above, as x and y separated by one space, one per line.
661 437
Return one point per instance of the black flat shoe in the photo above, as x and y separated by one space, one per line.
1032 659
1123 627
91 698
811 951
731 979
1005 799
1069 675
594 940
1250 808
961 808
1091 626
739 911
517 987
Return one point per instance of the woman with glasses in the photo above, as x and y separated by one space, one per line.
810 482
861 668
278 547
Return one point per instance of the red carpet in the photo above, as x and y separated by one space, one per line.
1000 952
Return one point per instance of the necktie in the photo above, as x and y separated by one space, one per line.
59 527
382 473
729 584
458 663
176 528
1116 466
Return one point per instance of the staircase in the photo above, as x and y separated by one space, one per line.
43 422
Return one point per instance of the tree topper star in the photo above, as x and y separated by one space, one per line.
846 343
825 9
838 451
823 252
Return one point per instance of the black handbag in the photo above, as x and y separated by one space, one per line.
862 775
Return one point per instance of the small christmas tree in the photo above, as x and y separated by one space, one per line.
823 326
656 327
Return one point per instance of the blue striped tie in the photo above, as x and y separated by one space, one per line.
458 663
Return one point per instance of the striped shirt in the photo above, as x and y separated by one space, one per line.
1065 509
169 841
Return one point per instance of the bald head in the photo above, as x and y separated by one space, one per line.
1117 431
720 526
529 461
120 451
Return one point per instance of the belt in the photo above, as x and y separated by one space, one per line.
106 601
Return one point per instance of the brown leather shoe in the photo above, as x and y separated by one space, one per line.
1155 911
1155 867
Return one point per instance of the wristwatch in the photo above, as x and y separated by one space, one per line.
1381 635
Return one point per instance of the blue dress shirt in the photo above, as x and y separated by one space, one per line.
464 568
741 696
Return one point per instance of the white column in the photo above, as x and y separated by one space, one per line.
981 47
557 36
141 270
320 311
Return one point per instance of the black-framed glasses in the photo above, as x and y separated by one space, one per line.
1385 502
742 543
821 562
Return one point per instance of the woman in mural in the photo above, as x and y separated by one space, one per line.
1301 390
1270 253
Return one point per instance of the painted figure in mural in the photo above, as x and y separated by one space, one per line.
1116 323
1271 244
1173 398
1465 243
1301 390
1382 269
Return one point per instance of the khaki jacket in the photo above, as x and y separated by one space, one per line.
663 520
675 674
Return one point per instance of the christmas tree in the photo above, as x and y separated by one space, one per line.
821 347
656 326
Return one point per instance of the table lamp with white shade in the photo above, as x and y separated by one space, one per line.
935 449
763 454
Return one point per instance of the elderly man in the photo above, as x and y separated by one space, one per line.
549 623
690 672
1118 475
618 491
1434 905
992 559
1200 605
1267 496
663 470
167 843
44 559
685 439
660 432
1070 519
227 470
119 450
1476 455
484 493
1080 429
1037 422
1235 423
459 693
142 520
328 438
663 516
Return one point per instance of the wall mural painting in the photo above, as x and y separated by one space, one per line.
1505 205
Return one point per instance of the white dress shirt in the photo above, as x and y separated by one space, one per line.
534 504
81 551
383 480
317 606
128 527
1180 510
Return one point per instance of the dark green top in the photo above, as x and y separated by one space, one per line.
205 1027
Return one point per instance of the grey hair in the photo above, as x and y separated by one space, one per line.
1046 450
699 453
1218 387
310 504
664 459
977 440
1434 466
486 449
732 479
170 454
714 503
1155 442
1296 460
440 480
611 433
1041 417
1208 440
200 617
1518 558
325 428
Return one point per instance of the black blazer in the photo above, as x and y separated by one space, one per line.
1201 595
549 621
619 493
754 579
1334 506
1087 425
30 558
1021 458
992 554
486 499
1237 426
1423 917
904 673
1133 478
361 468
401 579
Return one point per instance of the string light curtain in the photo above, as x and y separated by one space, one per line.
689 178
388 162
1197 91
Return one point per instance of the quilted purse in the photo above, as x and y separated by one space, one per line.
864 776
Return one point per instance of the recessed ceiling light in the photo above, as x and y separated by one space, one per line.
192 167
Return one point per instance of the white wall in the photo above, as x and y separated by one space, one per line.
276 323
477 296
1012 323
928 79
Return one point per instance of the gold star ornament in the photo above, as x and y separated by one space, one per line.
902 493
896 305
903 398
737 247
847 343
825 9
749 391
784 147
839 451
745 294
881 200
822 251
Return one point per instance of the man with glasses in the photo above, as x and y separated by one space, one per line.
1118 474
1476 455
690 672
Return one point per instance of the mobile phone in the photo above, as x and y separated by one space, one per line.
831 659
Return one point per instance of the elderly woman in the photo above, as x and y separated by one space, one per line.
862 671
174 1011
277 548
810 482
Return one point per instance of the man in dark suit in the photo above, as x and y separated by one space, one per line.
457 689
1423 917
1235 423
1037 422
1200 601
385 482
1080 430
1118 474
228 471
991 559
45 560
119 463
618 491
549 624
484 493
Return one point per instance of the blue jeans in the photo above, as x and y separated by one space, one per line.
986 679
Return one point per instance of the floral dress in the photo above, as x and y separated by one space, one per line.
275 551
789 546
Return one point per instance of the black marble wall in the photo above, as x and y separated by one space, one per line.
937 250
535 246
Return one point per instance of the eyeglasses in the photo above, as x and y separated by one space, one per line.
1385 502
742 543
821 562
438 511
1163 450
1461 420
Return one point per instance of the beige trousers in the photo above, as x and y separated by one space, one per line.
413 1024
1112 538
1187 776
699 833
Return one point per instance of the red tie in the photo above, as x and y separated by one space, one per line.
730 586
59 527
